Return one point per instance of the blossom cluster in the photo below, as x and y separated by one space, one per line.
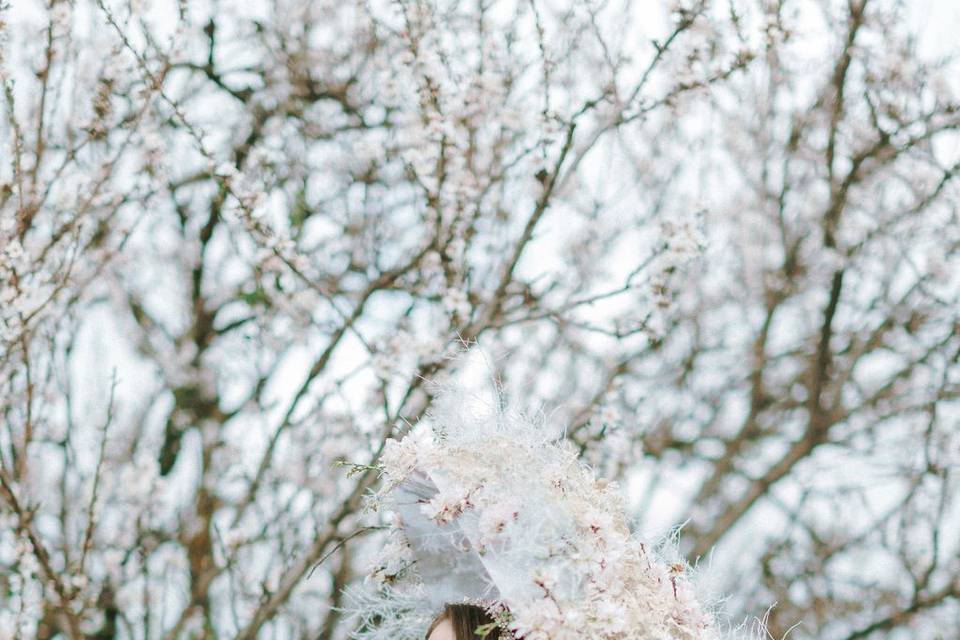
495 509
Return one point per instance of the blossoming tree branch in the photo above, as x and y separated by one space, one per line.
716 241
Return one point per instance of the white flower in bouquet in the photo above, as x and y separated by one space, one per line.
497 509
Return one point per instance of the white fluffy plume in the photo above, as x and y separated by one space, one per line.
494 507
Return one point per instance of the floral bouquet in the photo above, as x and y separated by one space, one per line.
492 508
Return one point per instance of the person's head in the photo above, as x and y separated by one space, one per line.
460 622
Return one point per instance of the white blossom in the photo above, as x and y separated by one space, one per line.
550 534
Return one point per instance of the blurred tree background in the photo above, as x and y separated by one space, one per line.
716 240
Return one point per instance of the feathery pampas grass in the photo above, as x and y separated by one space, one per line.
494 507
